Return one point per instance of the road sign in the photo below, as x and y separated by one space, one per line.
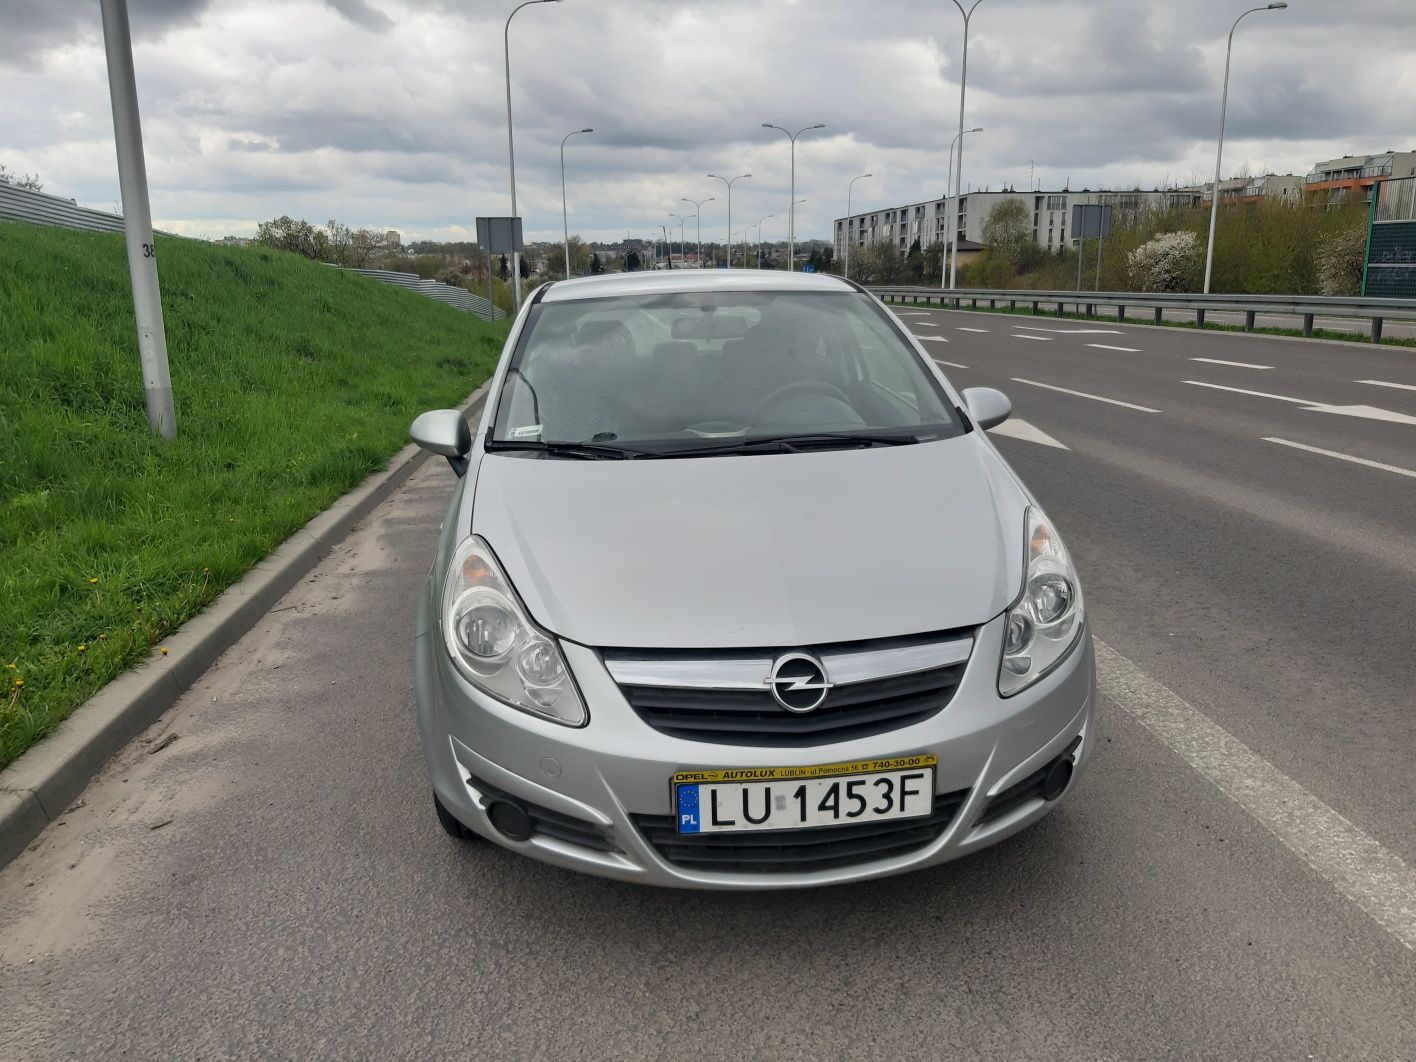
1091 221
500 235
808 269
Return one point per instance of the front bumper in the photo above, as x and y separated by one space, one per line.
616 768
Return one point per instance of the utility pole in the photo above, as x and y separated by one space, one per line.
137 219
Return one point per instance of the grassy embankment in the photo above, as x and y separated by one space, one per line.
293 382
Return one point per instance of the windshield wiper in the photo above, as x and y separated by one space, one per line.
800 442
586 450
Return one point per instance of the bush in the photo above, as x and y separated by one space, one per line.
1341 256
1170 262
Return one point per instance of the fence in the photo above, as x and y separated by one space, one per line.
458 298
41 208
1305 306
1391 240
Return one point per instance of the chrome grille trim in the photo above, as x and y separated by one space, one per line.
737 671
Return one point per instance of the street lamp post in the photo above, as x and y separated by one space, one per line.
565 217
959 171
730 181
1219 151
698 213
510 145
847 242
681 220
791 218
952 237
759 239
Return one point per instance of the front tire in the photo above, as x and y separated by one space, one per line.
450 823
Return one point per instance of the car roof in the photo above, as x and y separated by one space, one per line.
674 281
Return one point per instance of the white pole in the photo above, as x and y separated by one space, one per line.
565 218
791 214
849 189
511 147
959 170
759 238
730 183
698 213
1219 150
137 219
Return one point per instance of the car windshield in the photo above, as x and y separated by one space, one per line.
707 372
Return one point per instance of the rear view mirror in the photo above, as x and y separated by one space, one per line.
444 432
710 326
988 407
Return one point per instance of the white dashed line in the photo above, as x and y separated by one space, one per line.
1236 364
1074 331
1040 339
1083 394
1353 862
1343 457
932 339
1388 383
1107 346
961 328
951 364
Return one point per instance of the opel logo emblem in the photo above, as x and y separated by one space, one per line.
798 682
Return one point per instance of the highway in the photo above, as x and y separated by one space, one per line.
1231 880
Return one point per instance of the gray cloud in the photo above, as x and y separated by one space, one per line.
392 112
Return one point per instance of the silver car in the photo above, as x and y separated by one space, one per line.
734 592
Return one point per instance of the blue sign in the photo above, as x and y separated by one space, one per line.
808 269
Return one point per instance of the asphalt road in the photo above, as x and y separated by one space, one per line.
1231 880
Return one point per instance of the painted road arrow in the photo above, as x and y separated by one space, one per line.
1365 412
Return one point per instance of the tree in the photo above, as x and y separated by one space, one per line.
505 269
1008 231
525 269
596 266
914 261
1170 262
30 181
1341 256
631 262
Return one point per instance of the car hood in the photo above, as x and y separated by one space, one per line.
757 550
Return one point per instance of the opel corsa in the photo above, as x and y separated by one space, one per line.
734 592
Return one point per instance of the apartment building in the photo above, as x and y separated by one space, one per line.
1352 177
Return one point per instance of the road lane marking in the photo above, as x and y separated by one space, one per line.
1074 331
931 339
1388 383
1040 339
1083 394
1356 864
1343 457
1365 412
961 328
1236 364
1015 428
951 364
1105 346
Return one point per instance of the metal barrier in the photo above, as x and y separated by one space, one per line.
1304 306
41 208
458 298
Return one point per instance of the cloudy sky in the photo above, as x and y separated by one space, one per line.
391 113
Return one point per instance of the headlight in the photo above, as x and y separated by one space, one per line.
1046 621
496 645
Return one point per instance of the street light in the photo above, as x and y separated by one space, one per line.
729 182
671 248
759 239
511 148
849 189
698 208
791 219
953 237
1219 151
565 218
959 171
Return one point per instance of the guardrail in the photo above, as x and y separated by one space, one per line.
41 208
458 298
1304 306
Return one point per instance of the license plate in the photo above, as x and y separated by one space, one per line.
794 798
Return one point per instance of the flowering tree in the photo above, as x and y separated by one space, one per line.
1170 262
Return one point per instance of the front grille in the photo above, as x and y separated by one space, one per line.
548 823
752 717
1020 793
798 851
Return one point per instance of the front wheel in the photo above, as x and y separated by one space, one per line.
450 823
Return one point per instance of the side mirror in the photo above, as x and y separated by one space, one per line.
987 406
444 432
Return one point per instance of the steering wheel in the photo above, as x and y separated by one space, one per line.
796 389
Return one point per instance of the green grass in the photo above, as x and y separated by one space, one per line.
1136 318
293 382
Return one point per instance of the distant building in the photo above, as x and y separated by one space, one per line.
1352 177
393 238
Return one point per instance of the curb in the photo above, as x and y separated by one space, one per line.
41 785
